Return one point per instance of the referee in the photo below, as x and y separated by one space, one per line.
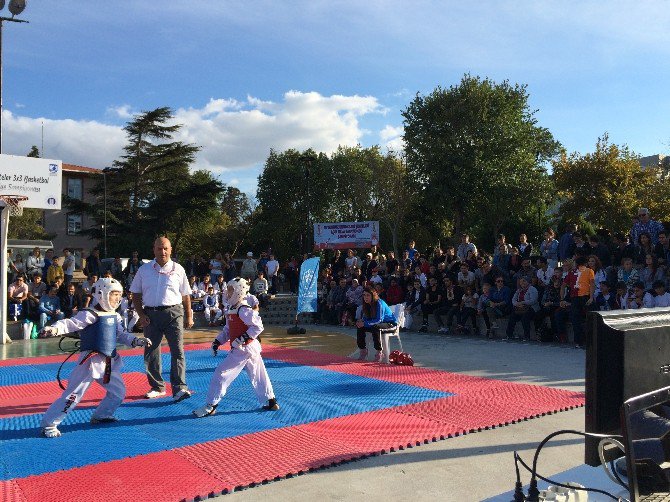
161 295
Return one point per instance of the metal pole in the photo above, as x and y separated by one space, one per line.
4 224
104 181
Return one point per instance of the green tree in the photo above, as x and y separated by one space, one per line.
604 187
152 191
34 152
476 153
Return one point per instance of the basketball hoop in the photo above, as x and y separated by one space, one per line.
14 203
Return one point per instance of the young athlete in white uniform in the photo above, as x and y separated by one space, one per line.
243 325
101 329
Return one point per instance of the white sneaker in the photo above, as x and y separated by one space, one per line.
50 432
153 394
181 395
205 411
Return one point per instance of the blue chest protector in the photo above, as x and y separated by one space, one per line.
101 335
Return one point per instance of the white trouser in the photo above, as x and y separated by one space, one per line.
82 376
249 358
213 310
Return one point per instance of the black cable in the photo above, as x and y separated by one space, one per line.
518 487
77 343
556 483
533 492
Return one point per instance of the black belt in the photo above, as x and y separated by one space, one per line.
162 307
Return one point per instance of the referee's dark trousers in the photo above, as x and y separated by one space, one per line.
168 322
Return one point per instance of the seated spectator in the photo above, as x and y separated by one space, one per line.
620 296
394 294
337 299
501 259
549 248
471 259
418 274
627 274
195 287
514 262
17 297
525 247
662 298
599 275
220 284
662 249
415 298
622 249
50 309
601 251
526 271
451 304
582 247
543 275
213 310
205 284
354 300
468 310
54 272
87 291
643 248
605 300
381 292
432 300
549 304
465 276
501 246
637 298
376 316
524 306
260 288
36 290
651 272
71 303
500 304
375 278
116 269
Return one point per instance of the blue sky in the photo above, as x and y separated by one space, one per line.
244 77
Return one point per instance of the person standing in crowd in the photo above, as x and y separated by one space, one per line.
376 316
48 260
566 244
68 266
35 263
501 246
162 298
249 270
55 272
93 264
586 287
525 247
272 274
216 266
646 224
132 267
661 249
549 248
464 247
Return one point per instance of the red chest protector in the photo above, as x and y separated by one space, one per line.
236 326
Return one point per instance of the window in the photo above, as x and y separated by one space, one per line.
74 223
74 188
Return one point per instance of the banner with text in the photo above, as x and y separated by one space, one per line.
41 180
354 234
307 291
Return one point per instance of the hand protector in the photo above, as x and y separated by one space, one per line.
141 342
215 346
240 341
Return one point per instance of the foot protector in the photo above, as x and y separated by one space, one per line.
205 411
50 432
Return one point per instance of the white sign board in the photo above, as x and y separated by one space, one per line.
344 235
41 180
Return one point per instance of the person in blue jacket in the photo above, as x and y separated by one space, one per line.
376 315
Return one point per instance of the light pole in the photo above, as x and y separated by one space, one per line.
105 172
15 7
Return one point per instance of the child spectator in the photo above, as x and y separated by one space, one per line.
213 311
662 298
627 274
468 310
482 304
605 300
260 289
431 302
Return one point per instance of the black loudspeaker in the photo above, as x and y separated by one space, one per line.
627 354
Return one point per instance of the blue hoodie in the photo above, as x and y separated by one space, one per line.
384 314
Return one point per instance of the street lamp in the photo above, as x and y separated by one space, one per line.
15 8
105 172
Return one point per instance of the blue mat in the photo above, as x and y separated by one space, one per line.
306 394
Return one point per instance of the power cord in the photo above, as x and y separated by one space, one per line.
613 475
533 492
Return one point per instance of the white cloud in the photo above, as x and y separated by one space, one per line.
234 135
391 138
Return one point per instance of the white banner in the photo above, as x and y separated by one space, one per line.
350 234
41 180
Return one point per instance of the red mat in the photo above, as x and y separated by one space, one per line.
215 467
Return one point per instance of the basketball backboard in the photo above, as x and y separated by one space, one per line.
38 179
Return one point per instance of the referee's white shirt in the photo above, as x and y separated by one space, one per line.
161 286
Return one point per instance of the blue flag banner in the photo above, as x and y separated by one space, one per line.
307 292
